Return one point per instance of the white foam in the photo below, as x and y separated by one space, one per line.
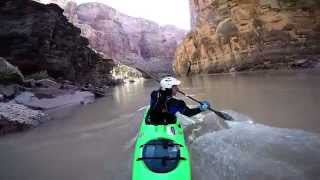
255 151
143 108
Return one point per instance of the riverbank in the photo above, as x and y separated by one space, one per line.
25 105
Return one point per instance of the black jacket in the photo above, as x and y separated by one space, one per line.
163 107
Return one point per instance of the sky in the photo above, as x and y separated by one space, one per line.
174 12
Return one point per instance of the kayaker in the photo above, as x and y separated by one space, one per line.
163 105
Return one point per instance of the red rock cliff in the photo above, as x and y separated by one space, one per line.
250 34
132 41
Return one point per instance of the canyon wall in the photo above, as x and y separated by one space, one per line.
135 42
236 35
37 37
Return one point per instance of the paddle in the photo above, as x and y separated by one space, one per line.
223 115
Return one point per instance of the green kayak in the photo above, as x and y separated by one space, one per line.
161 153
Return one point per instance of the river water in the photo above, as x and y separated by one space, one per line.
275 135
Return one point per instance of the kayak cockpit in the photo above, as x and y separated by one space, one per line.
160 151
163 118
161 155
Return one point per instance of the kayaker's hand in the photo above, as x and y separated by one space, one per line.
205 105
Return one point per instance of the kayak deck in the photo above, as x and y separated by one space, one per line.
161 153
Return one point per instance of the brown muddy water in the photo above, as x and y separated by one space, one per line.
96 141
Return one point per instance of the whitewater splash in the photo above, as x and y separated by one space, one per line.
243 150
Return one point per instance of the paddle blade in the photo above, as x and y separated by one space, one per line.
227 117
223 115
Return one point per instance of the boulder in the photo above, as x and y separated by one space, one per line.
232 70
226 29
8 91
7 126
25 98
8 73
48 83
29 83
68 98
14 112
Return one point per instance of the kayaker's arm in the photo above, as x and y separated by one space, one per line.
179 105
153 99
192 112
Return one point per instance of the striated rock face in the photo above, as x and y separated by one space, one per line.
132 41
37 37
235 35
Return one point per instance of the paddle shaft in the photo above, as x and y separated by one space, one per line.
215 111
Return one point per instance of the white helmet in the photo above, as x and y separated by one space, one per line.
168 82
